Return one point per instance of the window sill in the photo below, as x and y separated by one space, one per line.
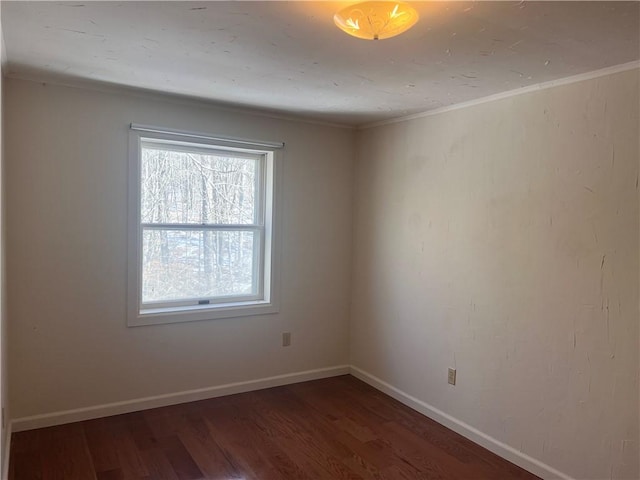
195 313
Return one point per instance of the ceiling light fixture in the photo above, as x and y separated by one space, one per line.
376 20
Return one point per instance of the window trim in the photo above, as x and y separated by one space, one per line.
268 271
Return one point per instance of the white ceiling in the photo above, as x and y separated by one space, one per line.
288 57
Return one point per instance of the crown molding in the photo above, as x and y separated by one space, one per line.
510 93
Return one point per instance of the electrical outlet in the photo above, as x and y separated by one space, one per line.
286 339
452 376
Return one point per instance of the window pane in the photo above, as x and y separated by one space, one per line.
179 264
186 187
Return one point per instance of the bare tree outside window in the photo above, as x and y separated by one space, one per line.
199 215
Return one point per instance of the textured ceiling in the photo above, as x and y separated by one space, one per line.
288 57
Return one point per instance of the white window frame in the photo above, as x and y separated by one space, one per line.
265 301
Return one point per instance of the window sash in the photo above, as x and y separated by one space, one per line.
177 146
257 273
258 227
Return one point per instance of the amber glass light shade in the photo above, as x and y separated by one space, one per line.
376 20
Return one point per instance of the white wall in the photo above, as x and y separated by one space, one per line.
3 317
502 239
66 186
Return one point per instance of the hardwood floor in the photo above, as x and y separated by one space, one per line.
337 428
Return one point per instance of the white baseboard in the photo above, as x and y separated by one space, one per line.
128 406
501 449
7 450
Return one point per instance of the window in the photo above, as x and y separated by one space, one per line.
201 222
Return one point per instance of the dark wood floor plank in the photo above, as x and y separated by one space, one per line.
307 433
158 465
129 457
22 442
212 461
234 429
292 439
422 455
180 459
25 465
308 450
102 448
67 456
330 429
